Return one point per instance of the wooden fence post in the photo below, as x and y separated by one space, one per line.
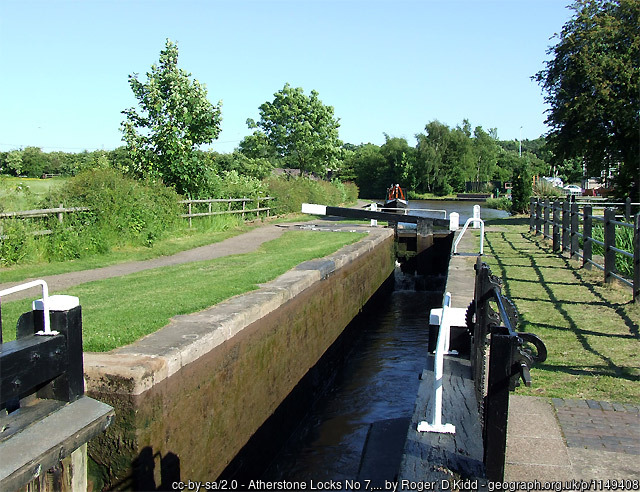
60 214
257 208
636 259
574 230
538 217
545 207
556 227
189 211
566 223
587 245
609 241
532 213
243 206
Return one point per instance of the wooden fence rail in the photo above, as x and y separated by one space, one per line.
257 209
564 218
39 213
61 210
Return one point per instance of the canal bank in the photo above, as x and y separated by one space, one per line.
190 396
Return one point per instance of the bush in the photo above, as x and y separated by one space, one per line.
544 189
123 211
503 203
290 193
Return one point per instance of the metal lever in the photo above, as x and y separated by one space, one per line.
525 374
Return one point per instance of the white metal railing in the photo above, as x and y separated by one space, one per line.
436 424
464 229
45 302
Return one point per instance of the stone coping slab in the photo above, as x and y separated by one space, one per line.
135 368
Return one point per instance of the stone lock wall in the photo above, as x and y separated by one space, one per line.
190 396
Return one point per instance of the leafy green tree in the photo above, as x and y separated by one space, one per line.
175 118
297 129
369 166
485 150
522 187
14 161
592 86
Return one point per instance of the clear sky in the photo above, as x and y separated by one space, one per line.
386 66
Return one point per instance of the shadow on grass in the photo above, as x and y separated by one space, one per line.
610 369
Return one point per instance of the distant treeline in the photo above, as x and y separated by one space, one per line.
443 159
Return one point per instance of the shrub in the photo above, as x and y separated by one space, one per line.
290 193
503 203
123 211
544 189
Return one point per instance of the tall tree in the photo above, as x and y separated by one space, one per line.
175 118
592 86
298 129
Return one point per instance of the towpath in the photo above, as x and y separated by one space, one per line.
242 243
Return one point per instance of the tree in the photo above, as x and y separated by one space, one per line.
175 118
298 129
592 88
522 187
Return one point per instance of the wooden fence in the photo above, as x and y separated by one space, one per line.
39 213
62 210
567 222
244 210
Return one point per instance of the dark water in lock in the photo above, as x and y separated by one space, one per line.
377 381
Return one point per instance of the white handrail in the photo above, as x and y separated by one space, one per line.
45 302
436 424
466 225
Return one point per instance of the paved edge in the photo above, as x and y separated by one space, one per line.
157 356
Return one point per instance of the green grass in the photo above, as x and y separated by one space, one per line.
590 328
120 310
25 193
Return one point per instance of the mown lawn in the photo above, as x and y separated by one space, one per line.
590 328
120 310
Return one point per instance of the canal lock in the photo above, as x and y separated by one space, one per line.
348 417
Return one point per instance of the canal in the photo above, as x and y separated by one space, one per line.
377 382
369 377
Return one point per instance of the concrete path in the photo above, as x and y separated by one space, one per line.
243 243
564 439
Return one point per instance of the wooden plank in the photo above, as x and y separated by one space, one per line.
29 362
433 456
41 445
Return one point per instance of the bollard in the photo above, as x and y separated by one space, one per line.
454 221
476 215
47 417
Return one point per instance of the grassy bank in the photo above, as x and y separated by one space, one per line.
120 310
590 328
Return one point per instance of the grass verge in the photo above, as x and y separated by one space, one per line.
590 328
120 310
191 238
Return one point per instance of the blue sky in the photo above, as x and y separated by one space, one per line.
385 66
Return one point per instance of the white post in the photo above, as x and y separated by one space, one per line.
454 221
476 215
436 424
